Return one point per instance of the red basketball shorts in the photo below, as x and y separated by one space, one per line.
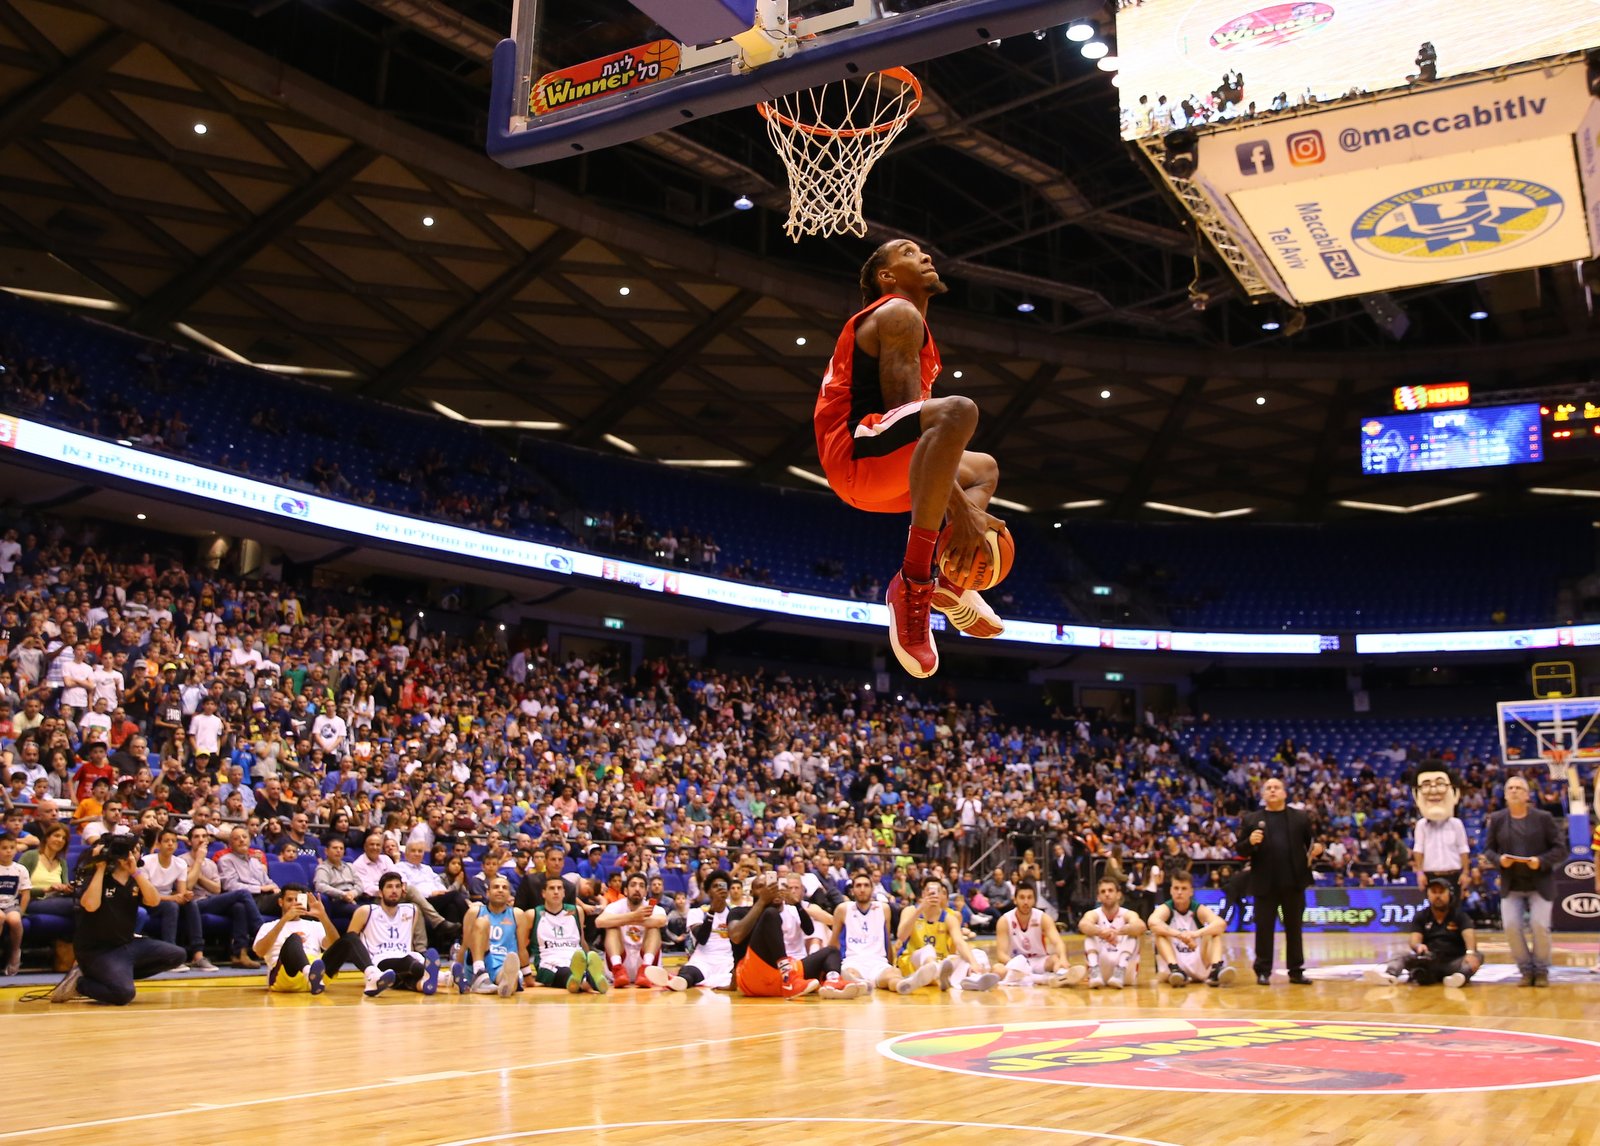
871 468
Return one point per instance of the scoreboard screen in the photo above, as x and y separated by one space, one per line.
1461 439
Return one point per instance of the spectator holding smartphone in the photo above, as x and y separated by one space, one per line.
292 945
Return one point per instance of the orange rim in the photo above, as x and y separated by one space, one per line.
769 111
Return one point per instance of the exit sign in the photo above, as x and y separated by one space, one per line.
1113 676
613 622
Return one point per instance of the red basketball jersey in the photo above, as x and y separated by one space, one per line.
851 390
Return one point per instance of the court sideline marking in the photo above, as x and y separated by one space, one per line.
1063 1130
407 1080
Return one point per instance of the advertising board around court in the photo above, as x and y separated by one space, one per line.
1458 181
1390 909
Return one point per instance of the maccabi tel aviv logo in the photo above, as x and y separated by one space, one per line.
1270 26
1457 218
1254 1056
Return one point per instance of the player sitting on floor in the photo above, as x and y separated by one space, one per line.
1030 948
762 967
633 934
495 942
862 925
710 963
807 930
933 948
292 945
1110 937
561 956
383 942
1189 937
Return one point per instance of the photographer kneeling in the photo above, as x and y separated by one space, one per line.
1444 944
110 956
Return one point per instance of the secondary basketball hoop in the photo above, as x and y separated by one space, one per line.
829 137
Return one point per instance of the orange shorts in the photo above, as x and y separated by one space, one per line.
758 978
871 468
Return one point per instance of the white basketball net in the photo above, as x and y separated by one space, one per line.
829 138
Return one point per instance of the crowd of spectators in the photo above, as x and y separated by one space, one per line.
138 692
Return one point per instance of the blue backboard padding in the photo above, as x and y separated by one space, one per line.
700 21
898 41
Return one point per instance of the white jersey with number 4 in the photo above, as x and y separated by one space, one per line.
865 946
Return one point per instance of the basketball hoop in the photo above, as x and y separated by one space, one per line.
830 137
1557 759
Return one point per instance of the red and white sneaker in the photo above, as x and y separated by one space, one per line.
909 635
965 609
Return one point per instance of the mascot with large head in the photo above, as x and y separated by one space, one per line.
1436 791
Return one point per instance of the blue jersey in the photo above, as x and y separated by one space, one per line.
502 938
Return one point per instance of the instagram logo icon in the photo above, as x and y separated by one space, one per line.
1305 148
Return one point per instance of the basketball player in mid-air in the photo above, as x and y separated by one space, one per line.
888 446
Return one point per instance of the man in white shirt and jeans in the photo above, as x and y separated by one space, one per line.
177 916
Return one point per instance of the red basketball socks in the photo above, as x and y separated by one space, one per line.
920 544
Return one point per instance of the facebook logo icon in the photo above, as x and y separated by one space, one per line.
1255 158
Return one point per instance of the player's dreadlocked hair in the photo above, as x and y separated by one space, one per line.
870 290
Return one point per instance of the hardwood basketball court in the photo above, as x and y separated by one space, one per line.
221 1063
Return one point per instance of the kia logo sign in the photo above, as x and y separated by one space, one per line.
1580 869
1582 905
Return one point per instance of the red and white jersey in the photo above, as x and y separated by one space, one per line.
851 389
1026 940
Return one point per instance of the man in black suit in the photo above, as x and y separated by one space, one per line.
1277 842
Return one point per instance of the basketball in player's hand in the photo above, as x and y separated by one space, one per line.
990 566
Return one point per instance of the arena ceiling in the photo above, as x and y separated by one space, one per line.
292 233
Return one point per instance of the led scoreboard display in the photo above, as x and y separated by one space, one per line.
1451 439
1434 397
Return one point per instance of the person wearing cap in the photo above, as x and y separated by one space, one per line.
1443 947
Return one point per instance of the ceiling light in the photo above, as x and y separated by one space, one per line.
1003 503
140 516
743 203
1116 80
199 129
624 446
1025 307
806 475
1078 33
1095 50
1553 491
1108 64
502 628
1105 393
124 442
64 299
1271 325
1478 315
1091 503
1057 525
1185 511
1383 507
427 220
958 374
707 463
1260 400
624 291
801 341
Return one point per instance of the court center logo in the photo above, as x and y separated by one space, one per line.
1457 219
1270 26
1255 1056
